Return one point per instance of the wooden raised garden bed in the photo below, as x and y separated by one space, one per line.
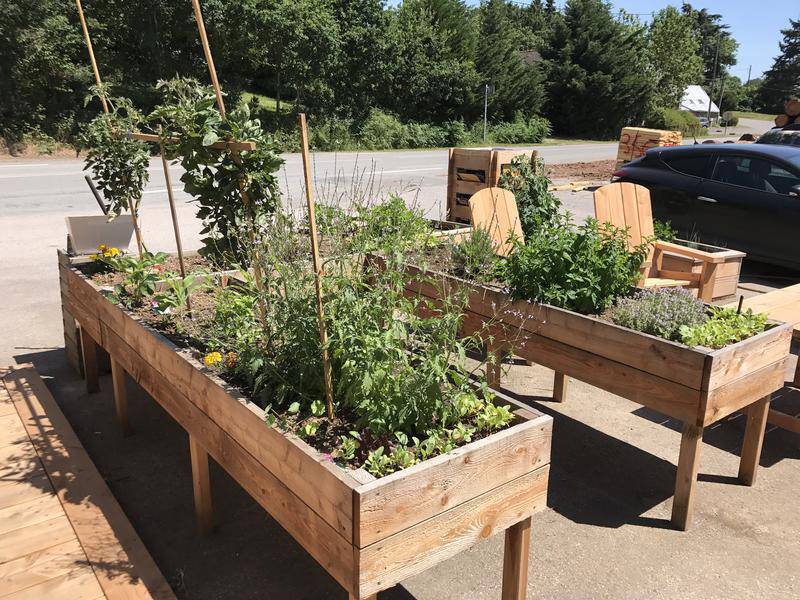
698 386
367 533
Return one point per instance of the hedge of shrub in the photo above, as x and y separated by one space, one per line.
675 120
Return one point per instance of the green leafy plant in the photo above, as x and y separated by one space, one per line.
140 277
661 312
474 257
390 226
663 230
724 326
535 203
237 191
173 299
118 164
582 268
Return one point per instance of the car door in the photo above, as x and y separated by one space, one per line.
747 205
674 195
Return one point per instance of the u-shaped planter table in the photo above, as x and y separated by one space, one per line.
368 533
697 386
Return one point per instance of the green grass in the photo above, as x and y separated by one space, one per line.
267 103
753 115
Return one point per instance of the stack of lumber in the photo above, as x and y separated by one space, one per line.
791 112
635 141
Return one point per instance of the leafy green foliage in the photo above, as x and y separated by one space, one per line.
661 312
724 326
173 299
582 268
474 257
664 231
782 80
675 120
236 191
118 164
535 203
389 227
141 276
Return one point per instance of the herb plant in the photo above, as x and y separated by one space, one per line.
141 276
582 268
724 326
474 258
527 181
661 312
118 164
664 231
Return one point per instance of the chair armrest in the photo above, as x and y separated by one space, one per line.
709 257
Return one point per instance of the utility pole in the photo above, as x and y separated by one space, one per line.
749 70
485 108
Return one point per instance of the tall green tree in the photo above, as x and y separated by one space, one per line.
503 62
717 45
782 81
426 80
595 81
457 25
672 49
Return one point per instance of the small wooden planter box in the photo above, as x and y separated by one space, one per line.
723 277
368 533
698 386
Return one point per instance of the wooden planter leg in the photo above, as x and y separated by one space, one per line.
120 396
372 597
202 487
515 560
797 374
685 483
89 350
753 440
560 387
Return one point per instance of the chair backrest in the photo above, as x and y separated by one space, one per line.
625 205
494 210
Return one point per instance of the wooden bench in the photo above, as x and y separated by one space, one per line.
781 305
62 533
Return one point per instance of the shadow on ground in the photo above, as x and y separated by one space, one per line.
248 557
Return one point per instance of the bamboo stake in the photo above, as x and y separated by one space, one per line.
212 71
99 81
175 227
312 223
91 53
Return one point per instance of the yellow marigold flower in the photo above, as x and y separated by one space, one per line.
230 359
212 358
112 252
102 247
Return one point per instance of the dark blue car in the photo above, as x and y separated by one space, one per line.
740 196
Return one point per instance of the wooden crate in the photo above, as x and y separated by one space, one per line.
722 277
697 386
367 533
471 170
635 141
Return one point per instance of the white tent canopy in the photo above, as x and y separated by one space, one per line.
695 100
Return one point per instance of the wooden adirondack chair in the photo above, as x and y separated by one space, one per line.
494 210
628 205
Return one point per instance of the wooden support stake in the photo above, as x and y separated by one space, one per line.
753 440
212 71
175 227
312 224
89 351
686 480
99 81
201 483
515 560
560 387
91 53
120 396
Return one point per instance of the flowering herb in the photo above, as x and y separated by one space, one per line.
660 312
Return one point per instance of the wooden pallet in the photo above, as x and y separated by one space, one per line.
62 533
367 533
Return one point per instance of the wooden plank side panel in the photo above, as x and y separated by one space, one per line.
34 538
748 356
418 548
124 568
744 391
669 360
35 568
325 544
449 480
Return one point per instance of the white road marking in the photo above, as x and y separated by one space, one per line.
25 165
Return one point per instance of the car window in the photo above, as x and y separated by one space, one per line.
754 173
688 165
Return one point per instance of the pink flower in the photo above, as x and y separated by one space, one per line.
327 456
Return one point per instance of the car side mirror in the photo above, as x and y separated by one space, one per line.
795 191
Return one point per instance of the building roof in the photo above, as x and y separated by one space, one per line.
695 99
